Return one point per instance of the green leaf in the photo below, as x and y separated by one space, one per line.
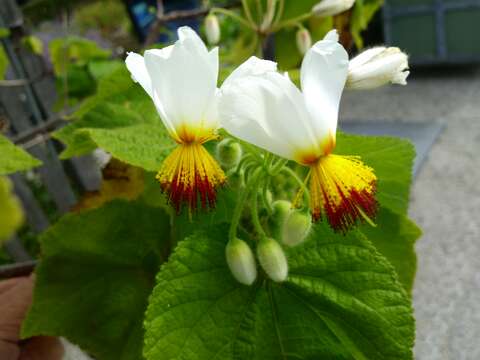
14 158
340 301
297 8
122 120
391 158
102 68
96 272
33 43
74 50
11 210
144 145
394 237
3 63
362 14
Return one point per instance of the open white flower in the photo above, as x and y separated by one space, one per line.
377 67
181 79
269 111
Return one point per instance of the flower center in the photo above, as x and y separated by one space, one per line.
343 188
190 174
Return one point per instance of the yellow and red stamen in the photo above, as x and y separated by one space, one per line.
342 188
190 174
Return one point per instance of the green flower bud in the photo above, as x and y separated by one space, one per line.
212 29
296 228
229 153
304 40
281 209
241 261
272 259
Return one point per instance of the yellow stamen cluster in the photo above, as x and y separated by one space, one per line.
342 187
190 173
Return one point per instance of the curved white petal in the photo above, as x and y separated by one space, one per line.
268 111
364 57
136 65
323 76
184 81
253 66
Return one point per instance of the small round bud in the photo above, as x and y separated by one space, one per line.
304 40
296 228
272 259
241 261
229 153
212 29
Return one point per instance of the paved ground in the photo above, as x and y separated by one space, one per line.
445 203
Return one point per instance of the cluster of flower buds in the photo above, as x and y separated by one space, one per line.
332 7
290 226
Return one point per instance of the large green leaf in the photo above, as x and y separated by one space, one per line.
391 158
395 236
96 272
10 209
340 301
121 119
14 158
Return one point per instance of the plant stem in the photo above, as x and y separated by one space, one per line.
248 13
242 198
291 22
255 218
299 181
233 16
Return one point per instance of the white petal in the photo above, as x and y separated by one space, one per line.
136 65
253 66
323 75
184 79
268 111
364 57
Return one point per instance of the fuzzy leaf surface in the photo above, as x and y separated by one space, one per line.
341 301
96 273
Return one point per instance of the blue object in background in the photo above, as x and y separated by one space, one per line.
142 14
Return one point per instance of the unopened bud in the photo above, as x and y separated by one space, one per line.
296 228
272 259
212 29
377 67
229 153
281 209
241 261
332 7
304 40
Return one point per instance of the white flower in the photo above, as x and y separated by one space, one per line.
181 79
377 67
266 109
212 29
332 7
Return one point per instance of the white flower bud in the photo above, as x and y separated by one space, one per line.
332 7
241 261
229 153
304 40
272 259
281 209
296 228
377 67
212 29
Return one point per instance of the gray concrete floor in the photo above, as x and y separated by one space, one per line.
445 202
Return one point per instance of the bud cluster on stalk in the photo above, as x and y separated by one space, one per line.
289 226
304 40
